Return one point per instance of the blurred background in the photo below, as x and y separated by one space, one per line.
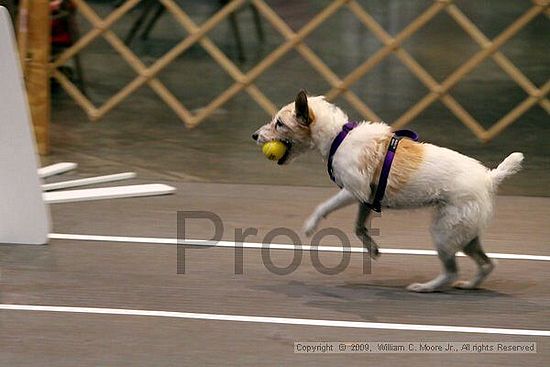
142 133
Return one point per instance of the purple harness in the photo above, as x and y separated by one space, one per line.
390 153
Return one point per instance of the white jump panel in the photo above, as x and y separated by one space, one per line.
24 217
56 169
88 181
107 193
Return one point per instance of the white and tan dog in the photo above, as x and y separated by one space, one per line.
460 189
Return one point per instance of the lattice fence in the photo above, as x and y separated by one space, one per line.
296 40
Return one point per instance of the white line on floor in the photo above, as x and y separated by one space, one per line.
276 320
274 246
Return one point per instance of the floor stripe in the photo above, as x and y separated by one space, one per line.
276 320
275 246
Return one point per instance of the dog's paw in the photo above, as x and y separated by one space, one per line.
464 284
311 225
368 242
420 288
374 252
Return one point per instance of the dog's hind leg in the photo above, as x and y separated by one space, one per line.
473 249
342 199
443 280
362 232
450 227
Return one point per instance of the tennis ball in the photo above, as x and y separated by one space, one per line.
274 150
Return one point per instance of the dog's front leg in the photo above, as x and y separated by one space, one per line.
341 199
362 232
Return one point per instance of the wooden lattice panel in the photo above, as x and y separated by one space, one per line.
295 40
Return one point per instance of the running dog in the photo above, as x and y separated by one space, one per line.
460 188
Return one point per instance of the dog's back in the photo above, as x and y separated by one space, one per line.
421 173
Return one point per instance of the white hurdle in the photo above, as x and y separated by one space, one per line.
56 169
102 193
88 181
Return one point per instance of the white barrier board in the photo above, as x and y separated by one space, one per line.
88 181
24 217
115 192
56 168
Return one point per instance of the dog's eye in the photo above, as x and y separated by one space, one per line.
279 124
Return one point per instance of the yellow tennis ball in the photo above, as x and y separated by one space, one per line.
274 150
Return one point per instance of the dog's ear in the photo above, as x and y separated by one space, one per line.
301 108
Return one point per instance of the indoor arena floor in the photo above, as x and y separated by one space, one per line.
112 278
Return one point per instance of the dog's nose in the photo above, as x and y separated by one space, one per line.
255 136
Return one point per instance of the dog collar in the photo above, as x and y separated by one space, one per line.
386 167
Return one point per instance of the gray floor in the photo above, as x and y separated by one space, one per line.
216 167
143 276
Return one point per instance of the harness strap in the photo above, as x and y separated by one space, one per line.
386 167
335 144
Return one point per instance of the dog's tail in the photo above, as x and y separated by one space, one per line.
507 167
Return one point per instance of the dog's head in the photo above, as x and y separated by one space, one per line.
291 125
